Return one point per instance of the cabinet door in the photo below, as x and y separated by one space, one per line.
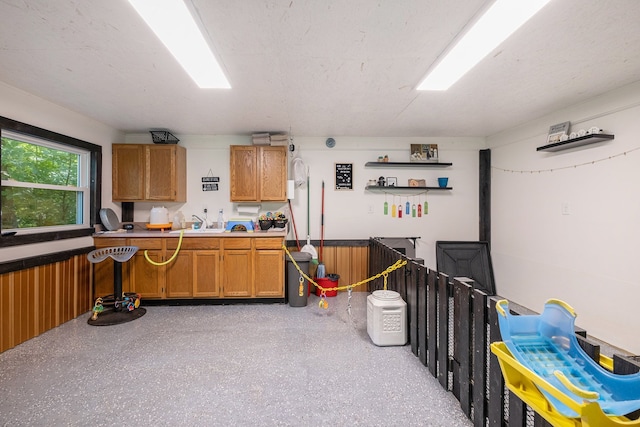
269 268
273 173
147 279
206 273
103 278
243 173
127 172
237 273
165 173
179 276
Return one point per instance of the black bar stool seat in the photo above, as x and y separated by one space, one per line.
115 313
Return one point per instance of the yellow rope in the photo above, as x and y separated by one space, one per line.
398 264
175 254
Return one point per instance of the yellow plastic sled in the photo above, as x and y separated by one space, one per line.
545 367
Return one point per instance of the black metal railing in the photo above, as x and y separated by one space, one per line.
450 327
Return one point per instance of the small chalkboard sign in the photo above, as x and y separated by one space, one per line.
344 176
209 187
210 179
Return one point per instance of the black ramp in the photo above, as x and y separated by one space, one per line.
467 259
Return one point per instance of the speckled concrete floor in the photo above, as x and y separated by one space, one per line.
236 365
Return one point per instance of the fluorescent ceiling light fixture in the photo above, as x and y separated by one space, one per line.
174 25
501 20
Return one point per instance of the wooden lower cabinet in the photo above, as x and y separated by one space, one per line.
103 278
103 271
269 276
237 271
206 274
179 276
145 278
195 272
237 267
205 267
269 268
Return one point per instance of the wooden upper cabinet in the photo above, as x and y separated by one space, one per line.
145 172
272 174
128 172
258 173
166 173
243 173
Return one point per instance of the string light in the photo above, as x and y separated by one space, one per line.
592 162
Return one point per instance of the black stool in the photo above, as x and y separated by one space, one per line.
119 307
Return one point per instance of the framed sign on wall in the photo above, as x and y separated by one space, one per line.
344 176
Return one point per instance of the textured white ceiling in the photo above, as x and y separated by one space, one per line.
319 68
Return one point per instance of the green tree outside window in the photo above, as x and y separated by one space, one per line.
41 185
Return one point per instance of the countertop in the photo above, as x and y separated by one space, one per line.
187 234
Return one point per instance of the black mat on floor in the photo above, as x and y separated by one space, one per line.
110 317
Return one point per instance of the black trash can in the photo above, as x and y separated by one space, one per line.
293 279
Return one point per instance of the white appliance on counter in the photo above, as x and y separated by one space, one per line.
159 215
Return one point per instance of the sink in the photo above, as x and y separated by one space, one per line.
202 231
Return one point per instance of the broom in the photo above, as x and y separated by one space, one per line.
308 248
321 270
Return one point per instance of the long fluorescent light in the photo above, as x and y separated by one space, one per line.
174 25
501 20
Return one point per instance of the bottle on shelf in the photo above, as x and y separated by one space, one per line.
220 219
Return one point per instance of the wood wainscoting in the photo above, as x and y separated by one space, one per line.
347 258
40 293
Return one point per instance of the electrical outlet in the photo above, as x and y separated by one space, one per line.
370 209
565 207
204 209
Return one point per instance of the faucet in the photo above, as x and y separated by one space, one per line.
201 221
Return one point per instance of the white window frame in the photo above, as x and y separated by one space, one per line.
82 191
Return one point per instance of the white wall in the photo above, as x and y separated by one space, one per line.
453 215
24 107
588 257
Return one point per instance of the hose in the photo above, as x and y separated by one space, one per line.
175 254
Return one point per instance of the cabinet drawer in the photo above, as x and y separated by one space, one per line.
237 243
194 243
109 242
269 243
146 243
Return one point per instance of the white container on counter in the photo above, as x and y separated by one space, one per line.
159 215
178 221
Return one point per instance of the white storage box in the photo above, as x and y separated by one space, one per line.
387 318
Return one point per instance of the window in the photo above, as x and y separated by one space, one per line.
43 184
49 183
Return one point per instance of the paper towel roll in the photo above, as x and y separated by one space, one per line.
291 185
248 209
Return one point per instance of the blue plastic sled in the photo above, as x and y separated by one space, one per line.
546 344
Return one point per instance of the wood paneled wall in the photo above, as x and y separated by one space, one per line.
37 299
350 262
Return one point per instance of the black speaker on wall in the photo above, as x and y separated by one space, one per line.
467 259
